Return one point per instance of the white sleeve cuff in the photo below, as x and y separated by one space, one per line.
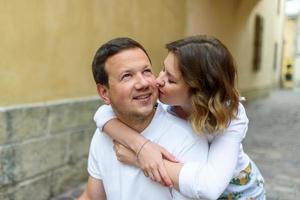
103 115
188 179
93 174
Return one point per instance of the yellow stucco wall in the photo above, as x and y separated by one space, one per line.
232 21
212 17
46 47
290 38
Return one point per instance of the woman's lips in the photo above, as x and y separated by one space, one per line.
160 92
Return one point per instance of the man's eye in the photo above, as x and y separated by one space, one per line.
148 71
126 76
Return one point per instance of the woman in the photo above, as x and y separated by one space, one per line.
198 82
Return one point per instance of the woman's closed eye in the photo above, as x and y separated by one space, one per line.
171 81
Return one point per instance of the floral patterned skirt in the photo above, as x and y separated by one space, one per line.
248 185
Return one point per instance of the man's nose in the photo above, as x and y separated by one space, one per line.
141 82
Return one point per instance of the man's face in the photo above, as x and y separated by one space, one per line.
132 91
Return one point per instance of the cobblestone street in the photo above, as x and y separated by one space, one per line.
273 142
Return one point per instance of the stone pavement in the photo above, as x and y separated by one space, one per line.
72 194
273 142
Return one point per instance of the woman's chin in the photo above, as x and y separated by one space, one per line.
163 100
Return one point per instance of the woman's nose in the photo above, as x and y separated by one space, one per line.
160 83
160 80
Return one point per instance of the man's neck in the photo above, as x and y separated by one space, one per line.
138 123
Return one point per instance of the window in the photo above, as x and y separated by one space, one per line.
258 36
275 56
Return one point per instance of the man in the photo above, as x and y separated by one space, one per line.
123 73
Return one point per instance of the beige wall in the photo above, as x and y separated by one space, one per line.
212 17
290 38
232 21
46 47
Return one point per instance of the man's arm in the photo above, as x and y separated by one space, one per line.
94 190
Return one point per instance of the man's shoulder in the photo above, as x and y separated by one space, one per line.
170 124
100 139
174 120
178 137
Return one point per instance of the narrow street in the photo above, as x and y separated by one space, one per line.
273 142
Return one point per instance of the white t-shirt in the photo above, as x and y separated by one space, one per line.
123 182
225 158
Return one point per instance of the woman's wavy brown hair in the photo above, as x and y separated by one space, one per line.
209 69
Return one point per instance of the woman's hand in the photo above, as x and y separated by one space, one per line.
150 160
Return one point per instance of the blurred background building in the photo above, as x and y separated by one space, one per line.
290 75
48 96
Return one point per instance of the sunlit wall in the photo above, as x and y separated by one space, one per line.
46 47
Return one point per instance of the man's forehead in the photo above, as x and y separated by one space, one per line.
129 59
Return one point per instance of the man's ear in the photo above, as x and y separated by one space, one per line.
103 93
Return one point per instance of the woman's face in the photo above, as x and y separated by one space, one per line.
173 90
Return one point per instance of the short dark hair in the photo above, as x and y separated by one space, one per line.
107 50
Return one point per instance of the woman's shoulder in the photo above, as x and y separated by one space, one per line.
241 112
236 129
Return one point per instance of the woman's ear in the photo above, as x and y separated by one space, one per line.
103 93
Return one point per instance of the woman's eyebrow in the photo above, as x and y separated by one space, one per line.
167 72
170 74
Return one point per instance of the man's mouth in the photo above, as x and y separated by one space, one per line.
142 97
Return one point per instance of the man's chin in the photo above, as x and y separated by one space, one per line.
146 111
